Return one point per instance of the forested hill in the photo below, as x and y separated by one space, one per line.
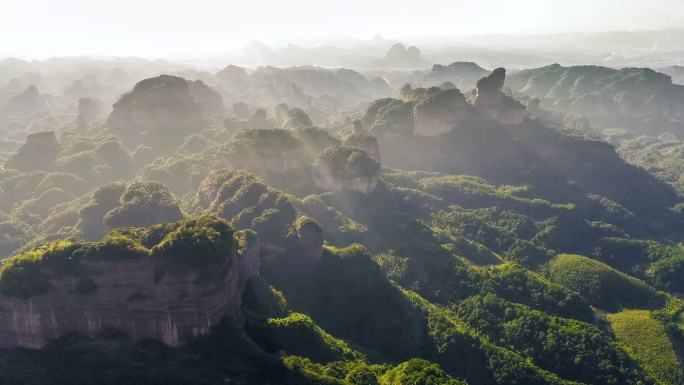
641 99
437 237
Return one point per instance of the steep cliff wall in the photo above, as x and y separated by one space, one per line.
441 112
346 168
331 183
161 112
367 143
493 104
263 151
131 296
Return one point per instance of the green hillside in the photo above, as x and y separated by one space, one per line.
402 236
601 285
648 342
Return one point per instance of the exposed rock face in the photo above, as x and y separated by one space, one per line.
241 110
493 104
297 117
211 101
264 151
81 88
390 118
281 111
144 204
675 72
259 121
398 56
310 235
346 168
463 75
14 86
174 309
365 185
162 109
105 198
28 101
233 76
366 142
38 153
88 110
315 140
441 112
137 205
489 88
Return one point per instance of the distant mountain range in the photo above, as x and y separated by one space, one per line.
613 49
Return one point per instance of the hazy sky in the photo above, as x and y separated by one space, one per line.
167 28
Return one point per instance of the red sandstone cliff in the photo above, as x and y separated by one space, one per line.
173 309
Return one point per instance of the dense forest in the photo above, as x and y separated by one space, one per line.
445 225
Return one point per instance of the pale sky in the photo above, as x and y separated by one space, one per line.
168 28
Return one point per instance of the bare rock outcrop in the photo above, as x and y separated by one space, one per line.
210 100
138 204
493 104
37 154
462 75
440 112
366 142
88 110
346 168
259 120
310 236
399 56
315 140
241 110
233 77
29 101
161 111
144 204
263 152
296 117
173 291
